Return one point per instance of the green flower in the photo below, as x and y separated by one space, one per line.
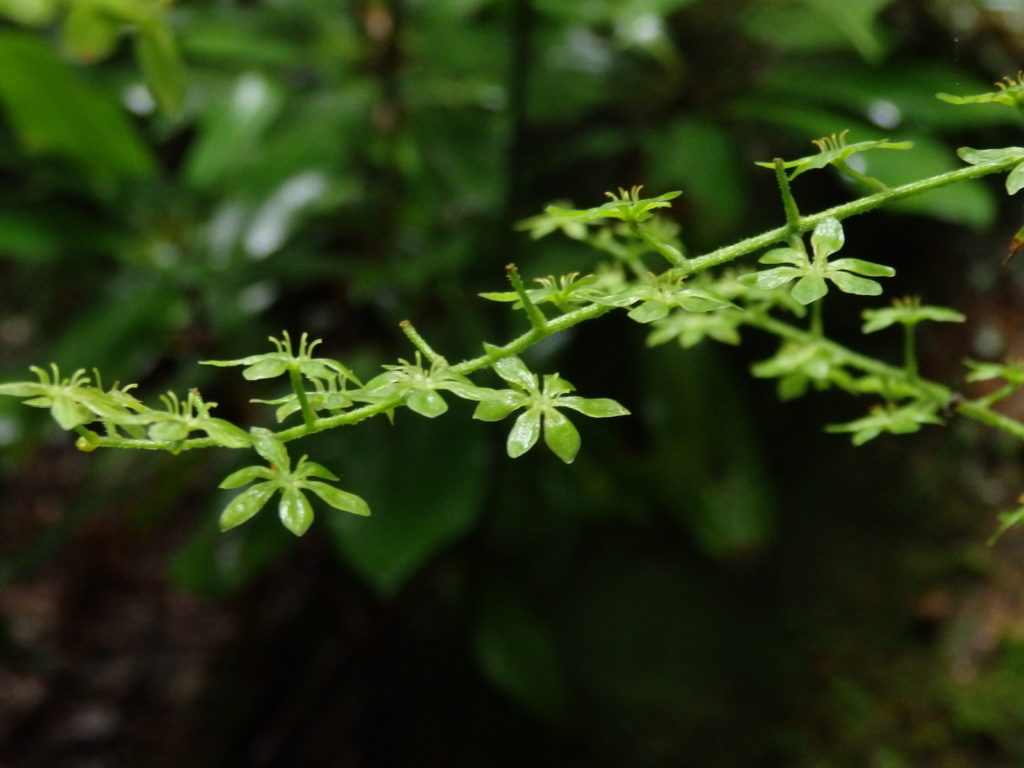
908 311
798 364
293 507
1012 373
331 395
76 401
543 224
897 420
417 386
564 292
627 206
833 150
811 274
273 364
182 417
657 295
1014 179
541 412
1009 91
1008 520
691 328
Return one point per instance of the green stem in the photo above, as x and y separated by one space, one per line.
994 397
817 322
419 342
668 252
308 414
788 201
927 389
533 312
844 211
979 412
868 181
542 327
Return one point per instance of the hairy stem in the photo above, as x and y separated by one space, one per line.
419 342
844 211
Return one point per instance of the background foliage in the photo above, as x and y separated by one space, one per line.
714 576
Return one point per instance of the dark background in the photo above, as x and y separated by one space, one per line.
714 582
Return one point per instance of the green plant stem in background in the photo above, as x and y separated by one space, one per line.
929 389
868 181
979 411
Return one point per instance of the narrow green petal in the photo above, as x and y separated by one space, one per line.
226 433
649 311
339 499
313 469
426 402
265 369
69 413
270 448
783 256
169 430
827 237
861 267
560 435
1015 179
295 511
514 371
23 389
595 407
496 409
860 286
809 289
246 504
770 279
524 433
244 476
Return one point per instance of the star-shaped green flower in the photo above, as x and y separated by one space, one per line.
1009 91
279 477
833 150
811 274
541 412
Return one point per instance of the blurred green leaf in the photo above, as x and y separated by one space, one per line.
696 155
162 65
705 465
232 127
211 564
88 33
55 111
814 25
517 653
425 481
33 13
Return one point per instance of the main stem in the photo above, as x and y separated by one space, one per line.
796 224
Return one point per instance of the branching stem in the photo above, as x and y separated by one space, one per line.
419 342
542 327
533 312
844 211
